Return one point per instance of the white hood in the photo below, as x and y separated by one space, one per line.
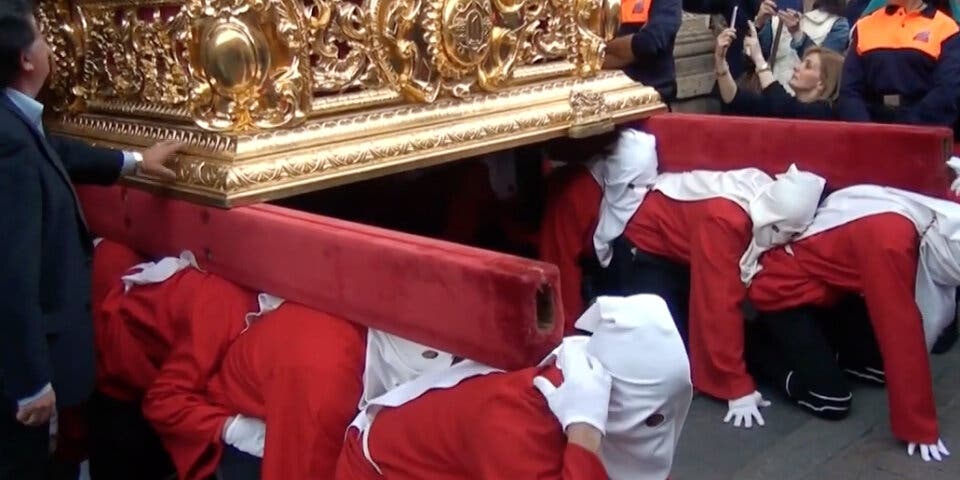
636 340
392 361
779 208
626 177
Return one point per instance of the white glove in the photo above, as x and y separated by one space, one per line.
745 410
584 395
246 434
937 451
954 164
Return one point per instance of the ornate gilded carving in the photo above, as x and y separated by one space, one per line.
339 37
597 22
63 24
280 96
248 63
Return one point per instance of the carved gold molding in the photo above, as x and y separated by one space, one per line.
274 97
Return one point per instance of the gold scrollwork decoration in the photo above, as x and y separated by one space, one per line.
597 22
248 63
164 80
338 34
62 24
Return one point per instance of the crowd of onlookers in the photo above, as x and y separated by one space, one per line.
884 61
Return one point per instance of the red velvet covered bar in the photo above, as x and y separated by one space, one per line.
844 153
490 307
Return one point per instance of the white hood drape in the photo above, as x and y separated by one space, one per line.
938 223
625 177
779 208
636 340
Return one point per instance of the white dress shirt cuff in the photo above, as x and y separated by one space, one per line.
129 164
32 398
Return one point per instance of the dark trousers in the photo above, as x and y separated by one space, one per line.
123 445
633 271
808 353
237 465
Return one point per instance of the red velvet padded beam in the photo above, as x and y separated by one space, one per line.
845 154
494 308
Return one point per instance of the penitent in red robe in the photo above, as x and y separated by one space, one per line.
709 235
300 371
492 427
195 319
875 256
137 330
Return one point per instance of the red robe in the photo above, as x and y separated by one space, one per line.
492 427
300 371
710 235
566 232
111 261
197 319
136 330
877 257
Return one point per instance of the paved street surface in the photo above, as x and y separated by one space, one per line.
796 446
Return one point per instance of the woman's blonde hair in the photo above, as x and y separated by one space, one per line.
831 66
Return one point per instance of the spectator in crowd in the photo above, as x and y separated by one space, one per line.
866 7
46 330
903 67
775 44
745 9
822 26
644 45
815 82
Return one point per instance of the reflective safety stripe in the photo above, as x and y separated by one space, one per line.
634 11
896 29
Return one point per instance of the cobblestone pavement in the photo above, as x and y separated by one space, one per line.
796 446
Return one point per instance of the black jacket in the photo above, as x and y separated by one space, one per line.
46 329
775 102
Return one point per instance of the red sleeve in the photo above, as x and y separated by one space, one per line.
124 367
888 273
572 209
189 426
320 372
521 438
716 293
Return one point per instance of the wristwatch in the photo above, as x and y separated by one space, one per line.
763 67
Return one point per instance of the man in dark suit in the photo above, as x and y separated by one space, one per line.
46 340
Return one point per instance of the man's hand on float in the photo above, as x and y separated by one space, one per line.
584 395
936 451
156 157
744 410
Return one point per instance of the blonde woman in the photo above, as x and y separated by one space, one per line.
815 82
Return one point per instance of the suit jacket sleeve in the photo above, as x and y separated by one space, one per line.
24 359
88 164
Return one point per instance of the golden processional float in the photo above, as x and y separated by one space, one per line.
277 97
